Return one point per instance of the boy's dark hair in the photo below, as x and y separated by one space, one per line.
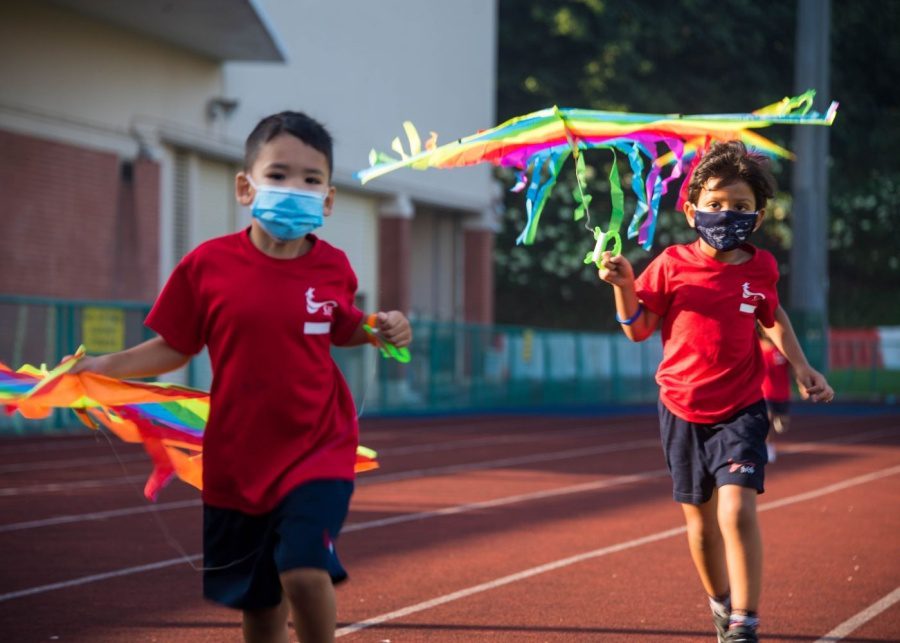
729 162
297 124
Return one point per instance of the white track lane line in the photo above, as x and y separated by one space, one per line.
372 524
74 518
484 586
565 562
511 438
854 623
375 478
432 447
75 582
48 465
510 462
67 486
99 515
507 500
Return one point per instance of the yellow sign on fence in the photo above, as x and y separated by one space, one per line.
103 329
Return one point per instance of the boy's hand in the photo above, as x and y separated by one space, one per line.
813 385
87 363
395 328
616 270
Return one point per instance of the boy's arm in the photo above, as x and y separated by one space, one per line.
153 357
393 326
617 271
812 383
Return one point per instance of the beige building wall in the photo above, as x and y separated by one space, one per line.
361 67
76 79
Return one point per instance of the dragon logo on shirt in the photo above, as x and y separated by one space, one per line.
754 297
749 294
312 306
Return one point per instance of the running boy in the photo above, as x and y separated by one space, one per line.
707 297
776 391
280 445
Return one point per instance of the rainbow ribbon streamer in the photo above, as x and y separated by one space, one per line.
167 419
538 145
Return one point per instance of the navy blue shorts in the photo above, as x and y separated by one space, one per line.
244 554
703 457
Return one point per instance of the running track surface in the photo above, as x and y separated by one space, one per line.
475 528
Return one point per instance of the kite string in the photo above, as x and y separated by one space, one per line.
170 539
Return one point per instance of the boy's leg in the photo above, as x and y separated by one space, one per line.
268 625
309 520
743 545
311 595
239 572
694 488
740 453
706 545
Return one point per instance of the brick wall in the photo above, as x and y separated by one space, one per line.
74 224
394 263
479 276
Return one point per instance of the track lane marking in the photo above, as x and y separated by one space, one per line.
855 622
48 465
596 553
376 478
478 588
99 515
802 447
6 492
372 524
510 462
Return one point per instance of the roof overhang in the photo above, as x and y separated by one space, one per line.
223 30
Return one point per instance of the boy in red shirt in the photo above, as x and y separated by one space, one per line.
707 297
776 390
280 445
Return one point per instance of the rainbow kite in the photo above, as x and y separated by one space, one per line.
538 144
167 419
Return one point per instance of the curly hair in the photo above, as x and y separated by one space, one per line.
730 162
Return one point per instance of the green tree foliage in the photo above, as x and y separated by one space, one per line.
864 194
695 56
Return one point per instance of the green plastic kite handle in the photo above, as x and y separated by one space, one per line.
388 350
603 239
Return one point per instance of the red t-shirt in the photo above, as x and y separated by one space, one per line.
280 410
712 363
776 385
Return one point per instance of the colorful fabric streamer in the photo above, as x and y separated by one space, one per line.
167 419
538 144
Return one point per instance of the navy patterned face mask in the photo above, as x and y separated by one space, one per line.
726 229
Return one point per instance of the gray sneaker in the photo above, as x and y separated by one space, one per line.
741 634
721 623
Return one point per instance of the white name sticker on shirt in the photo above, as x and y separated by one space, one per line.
317 328
748 308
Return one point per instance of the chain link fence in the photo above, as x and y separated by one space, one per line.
454 367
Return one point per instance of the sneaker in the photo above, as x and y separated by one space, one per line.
770 452
721 623
741 634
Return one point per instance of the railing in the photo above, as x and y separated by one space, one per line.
454 367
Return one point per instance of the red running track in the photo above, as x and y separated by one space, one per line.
474 529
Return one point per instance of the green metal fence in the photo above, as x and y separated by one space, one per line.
38 330
454 367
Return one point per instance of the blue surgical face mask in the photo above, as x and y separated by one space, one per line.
725 229
287 213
